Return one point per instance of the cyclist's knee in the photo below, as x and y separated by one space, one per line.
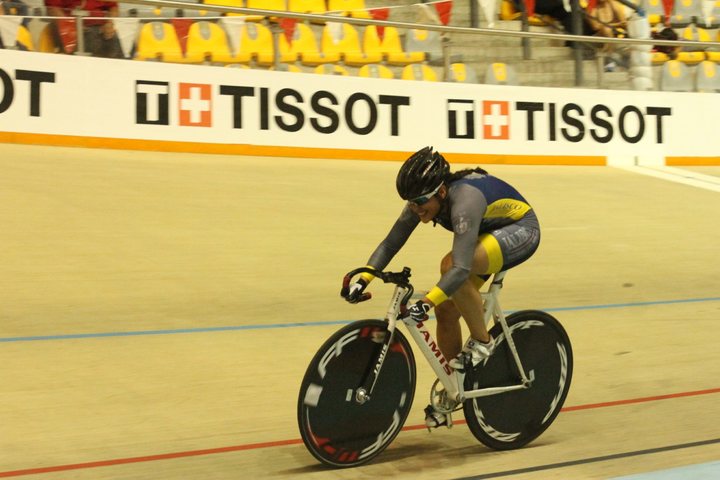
447 312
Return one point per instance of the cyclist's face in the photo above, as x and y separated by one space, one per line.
429 210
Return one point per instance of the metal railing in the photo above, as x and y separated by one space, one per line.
445 31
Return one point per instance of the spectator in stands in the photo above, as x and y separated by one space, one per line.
608 19
99 34
556 9
666 33
14 7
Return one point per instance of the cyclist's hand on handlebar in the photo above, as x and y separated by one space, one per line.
355 294
419 311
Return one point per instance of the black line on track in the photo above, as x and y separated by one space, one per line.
583 461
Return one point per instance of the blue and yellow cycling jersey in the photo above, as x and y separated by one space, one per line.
475 205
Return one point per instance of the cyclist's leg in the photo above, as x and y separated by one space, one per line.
499 250
449 333
487 259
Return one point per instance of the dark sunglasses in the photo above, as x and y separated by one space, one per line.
423 199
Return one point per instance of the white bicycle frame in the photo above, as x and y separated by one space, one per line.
453 380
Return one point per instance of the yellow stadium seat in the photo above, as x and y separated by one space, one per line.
207 41
418 71
159 41
306 6
305 47
350 8
375 71
675 77
655 12
331 69
712 55
232 3
343 39
389 46
427 41
461 73
279 5
287 68
707 78
685 12
256 43
693 55
500 73
658 58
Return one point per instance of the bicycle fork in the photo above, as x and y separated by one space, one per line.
364 391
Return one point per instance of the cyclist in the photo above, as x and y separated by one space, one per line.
494 228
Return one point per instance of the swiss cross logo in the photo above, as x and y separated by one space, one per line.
195 104
496 120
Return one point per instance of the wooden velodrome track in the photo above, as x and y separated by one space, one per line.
159 310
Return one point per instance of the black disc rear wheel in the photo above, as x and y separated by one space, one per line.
513 419
338 430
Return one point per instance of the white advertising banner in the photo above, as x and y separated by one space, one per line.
110 99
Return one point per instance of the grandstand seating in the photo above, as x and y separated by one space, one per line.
285 67
685 12
331 69
306 6
693 55
233 3
343 39
509 12
256 45
158 41
375 71
390 46
712 54
279 5
424 41
707 77
461 73
207 41
304 45
419 71
675 77
500 73
351 8
655 12
709 14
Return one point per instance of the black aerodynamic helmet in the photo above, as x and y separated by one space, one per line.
421 174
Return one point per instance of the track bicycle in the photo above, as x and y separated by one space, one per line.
359 387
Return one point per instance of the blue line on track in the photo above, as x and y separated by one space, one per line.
76 336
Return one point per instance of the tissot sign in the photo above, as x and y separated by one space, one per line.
284 109
556 122
291 110
12 83
61 95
